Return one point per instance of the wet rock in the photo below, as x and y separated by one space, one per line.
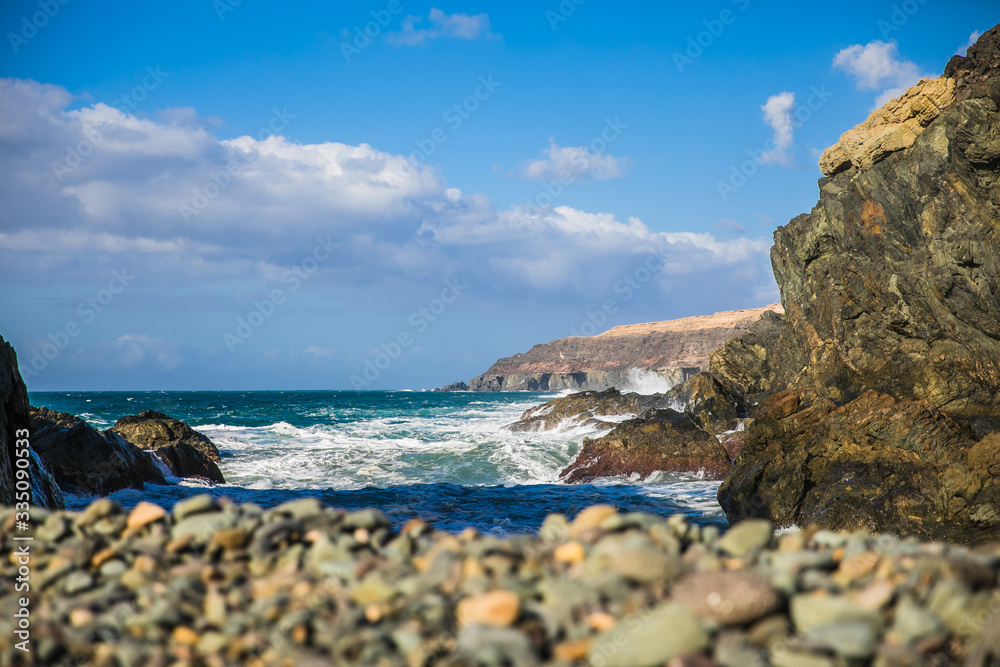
663 440
86 461
185 451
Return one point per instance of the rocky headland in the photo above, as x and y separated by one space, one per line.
674 349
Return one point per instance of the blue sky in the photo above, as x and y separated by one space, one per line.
257 195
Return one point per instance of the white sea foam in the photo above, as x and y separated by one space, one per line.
643 381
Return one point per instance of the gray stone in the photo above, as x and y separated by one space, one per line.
648 639
852 639
194 505
202 525
746 536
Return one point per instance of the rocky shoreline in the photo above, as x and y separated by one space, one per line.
219 584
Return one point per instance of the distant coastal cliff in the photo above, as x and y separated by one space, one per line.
674 349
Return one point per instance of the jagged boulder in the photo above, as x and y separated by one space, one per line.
454 386
151 430
761 361
716 405
87 461
587 408
185 451
659 441
876 462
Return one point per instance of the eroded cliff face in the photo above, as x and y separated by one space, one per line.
675 349
891 289
892 282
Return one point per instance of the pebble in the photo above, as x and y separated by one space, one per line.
496 608
194 505
728 598
811 610
570 552
143 514
852 640
746 537
590 518
650 639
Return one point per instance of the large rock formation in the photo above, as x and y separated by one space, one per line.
891 289
13 416
43 490
185 451
659 441
587 408
87 461
675 350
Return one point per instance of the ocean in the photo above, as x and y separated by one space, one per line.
443 457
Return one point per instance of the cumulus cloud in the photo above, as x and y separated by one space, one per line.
778 115
877 66
573 163
96 188
454 26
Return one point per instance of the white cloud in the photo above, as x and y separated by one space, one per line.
454 26
877 65
778 115
573 163
389 226
961 51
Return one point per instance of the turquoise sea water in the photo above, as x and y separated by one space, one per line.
443 457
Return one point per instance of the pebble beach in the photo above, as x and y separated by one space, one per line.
216 583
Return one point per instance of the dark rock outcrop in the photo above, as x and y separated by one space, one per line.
891 289
454 386
152 430
871 463
761 361
87 461
185 451
44 492
716 405
13 416
674 350
661 440
586 408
